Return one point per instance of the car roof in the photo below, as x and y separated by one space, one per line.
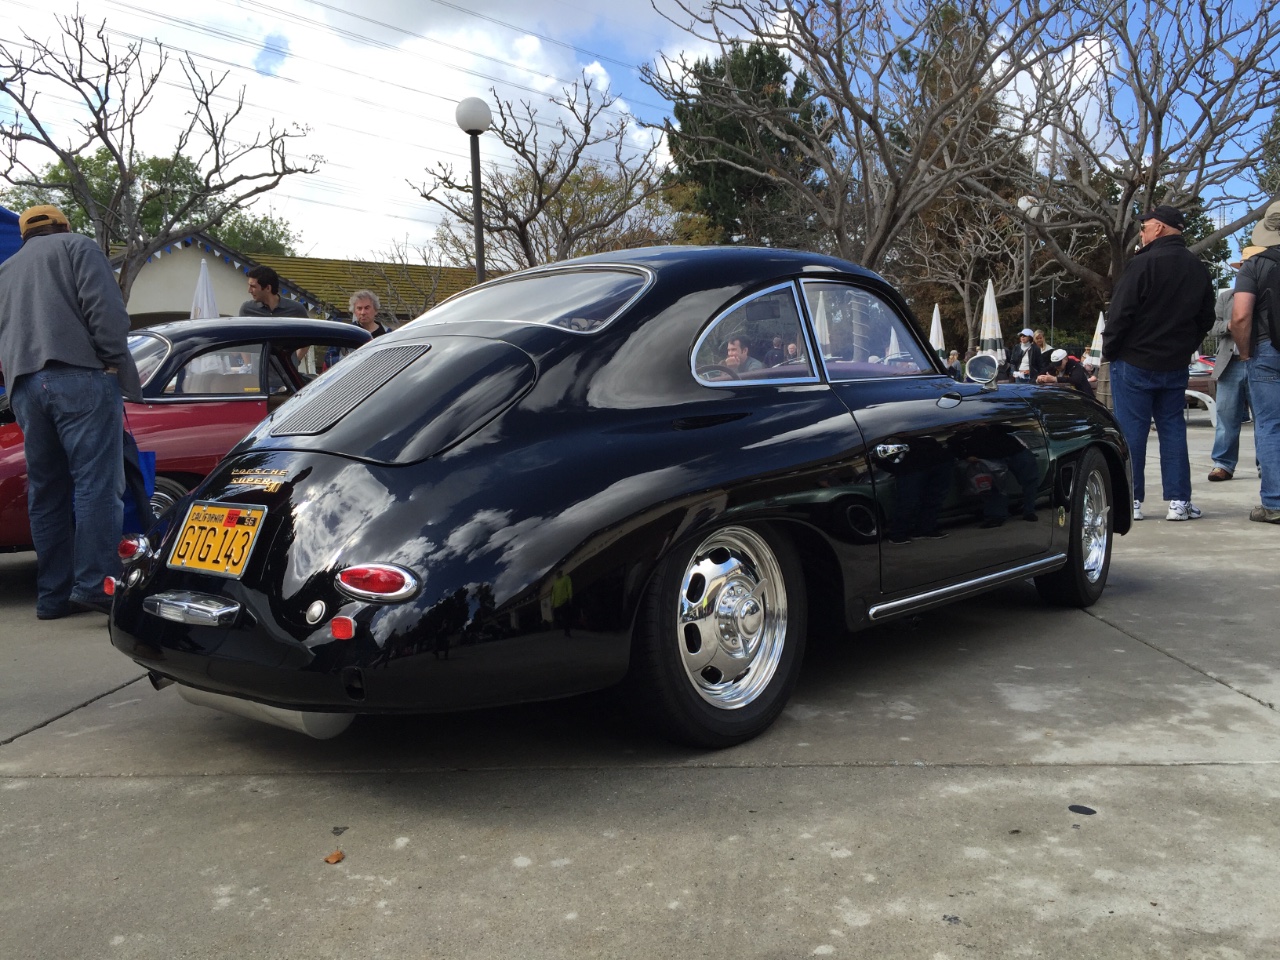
255 328
760 260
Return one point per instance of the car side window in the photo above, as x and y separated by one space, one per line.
759 339
860 335
230 371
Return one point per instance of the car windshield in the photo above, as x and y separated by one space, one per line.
581 299
148 351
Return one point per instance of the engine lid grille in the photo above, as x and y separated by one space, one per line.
369 370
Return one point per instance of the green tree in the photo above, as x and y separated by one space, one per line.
157 186
263 233
886 145
161 186
741 176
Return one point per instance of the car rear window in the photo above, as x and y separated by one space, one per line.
583 300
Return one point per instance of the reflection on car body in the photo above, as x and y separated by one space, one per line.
561 493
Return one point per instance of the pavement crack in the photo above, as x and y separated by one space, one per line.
1184 661
70 710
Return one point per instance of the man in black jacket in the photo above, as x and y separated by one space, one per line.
1161 308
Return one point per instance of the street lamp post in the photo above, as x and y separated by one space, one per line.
1031 207
473 117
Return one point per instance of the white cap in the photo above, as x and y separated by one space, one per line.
1058 355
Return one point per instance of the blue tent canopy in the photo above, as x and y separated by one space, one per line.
10 239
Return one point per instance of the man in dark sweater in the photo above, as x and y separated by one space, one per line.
1161 308
265 299
64 347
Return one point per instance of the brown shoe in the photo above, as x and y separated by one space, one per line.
1217 473
1264 515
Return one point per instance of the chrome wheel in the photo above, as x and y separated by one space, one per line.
731 620
1095 527
166 494
1081 580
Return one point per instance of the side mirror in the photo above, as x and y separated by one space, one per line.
982 369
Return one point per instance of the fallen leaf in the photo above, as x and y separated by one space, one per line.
336 857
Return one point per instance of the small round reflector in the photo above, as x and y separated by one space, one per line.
342 628
377 581
109 586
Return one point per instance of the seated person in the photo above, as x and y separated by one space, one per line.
1064 368
738 356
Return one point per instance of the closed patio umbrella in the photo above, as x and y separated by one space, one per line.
1094 354
822 326
935 334
204 306
990 339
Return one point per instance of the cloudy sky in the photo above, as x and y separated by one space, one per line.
377 83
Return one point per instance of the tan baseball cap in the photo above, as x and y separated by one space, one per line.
41 216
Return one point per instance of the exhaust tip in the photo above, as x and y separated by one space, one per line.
157 681
321 726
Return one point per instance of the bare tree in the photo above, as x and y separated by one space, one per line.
408 279
562 200
910 89
961 244
111 87
1168 103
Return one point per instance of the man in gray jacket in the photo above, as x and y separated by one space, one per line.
64 351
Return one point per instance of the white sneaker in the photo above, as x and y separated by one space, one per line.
1137 509
1183 510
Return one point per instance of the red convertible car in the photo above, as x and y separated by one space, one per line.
205 384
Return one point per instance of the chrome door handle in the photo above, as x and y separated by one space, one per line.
891 451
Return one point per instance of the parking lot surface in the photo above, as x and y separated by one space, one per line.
993 779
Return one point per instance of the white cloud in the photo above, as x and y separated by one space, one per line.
378 96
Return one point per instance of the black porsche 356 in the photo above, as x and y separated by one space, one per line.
656 468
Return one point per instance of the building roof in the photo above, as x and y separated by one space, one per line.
405 289
324 286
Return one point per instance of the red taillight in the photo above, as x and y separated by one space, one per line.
377 581
132 546
342 628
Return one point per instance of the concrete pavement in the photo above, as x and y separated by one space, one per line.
994 779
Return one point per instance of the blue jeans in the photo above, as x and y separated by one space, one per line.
1232 398
1141 396
71 420
1264 394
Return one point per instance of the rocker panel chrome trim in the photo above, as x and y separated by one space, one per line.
933 598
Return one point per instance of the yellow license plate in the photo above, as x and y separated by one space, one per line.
217 538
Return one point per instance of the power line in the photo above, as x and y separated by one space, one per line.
256 45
